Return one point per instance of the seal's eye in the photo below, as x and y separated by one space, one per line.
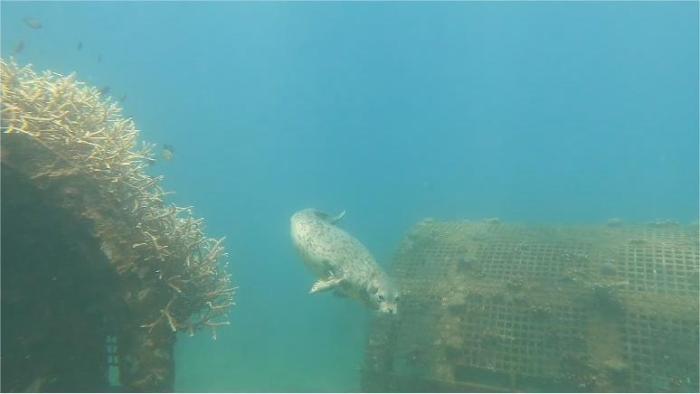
381 297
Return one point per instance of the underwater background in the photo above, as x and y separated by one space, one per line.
533 112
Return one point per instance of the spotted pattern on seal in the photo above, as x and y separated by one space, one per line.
340 261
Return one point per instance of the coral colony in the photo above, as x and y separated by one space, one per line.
73 142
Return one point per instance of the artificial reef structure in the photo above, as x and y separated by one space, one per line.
99 271
496 307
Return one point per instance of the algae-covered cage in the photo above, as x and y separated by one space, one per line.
99 272
494 307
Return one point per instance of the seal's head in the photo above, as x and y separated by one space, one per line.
383 296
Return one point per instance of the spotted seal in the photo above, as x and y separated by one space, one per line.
340 261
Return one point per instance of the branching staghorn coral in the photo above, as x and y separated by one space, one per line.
68 138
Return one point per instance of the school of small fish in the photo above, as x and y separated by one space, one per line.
167 153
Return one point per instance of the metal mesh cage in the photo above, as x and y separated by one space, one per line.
493 307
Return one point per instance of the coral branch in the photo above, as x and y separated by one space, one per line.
175 273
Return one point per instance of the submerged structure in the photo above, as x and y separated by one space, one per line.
488 306
99 272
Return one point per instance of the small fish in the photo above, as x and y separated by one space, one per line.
105 90
19 47
80 45
99 58
168 152
34 23
122 98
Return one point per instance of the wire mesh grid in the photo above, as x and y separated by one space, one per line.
497 306
516 340
660 268
662 353
504 260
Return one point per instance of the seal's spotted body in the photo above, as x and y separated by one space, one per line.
340 261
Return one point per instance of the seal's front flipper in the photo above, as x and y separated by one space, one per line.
324 285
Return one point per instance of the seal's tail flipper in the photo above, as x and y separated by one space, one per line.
337 218
324 285
331 219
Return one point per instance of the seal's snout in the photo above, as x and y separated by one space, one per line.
389 309
386 304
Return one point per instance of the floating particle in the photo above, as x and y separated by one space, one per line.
168 152
19 47
34 23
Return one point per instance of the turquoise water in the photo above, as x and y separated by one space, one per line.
530 112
